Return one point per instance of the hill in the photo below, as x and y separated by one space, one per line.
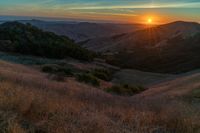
149 37
27 39
170 48
184 84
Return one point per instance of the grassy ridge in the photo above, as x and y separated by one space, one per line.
30 102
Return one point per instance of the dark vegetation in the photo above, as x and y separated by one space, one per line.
103 74
58 72
178 56
88 78
125 90
27 39
92 77
56 69
196 93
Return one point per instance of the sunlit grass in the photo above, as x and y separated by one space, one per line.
30 102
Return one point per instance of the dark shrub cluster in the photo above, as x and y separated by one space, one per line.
125 90
88 78
57 77
103 74
56 69
27 39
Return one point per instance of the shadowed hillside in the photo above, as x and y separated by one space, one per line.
27 39
151 37
170 48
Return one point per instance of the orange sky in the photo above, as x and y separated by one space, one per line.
126 11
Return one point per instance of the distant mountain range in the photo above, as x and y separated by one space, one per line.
83 31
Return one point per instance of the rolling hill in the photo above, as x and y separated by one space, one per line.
157 36
27 39
169 48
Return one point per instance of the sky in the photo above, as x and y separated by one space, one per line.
126 11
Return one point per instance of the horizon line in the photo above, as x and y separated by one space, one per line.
60 19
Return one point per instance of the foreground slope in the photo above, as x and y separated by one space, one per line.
31 102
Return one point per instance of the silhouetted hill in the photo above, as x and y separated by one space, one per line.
27 39
149 37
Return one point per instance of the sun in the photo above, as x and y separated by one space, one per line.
149 20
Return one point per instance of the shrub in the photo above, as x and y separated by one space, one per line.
126 90
102 74
58 77
196 93
56 69
88 78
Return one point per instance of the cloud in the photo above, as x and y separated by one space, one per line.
143 6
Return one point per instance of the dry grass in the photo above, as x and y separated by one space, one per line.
30 102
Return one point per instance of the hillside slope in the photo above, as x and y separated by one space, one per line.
171 48
31 102
180 86
27 39
157 36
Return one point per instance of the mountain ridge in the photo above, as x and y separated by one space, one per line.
163 49
82 31
151 35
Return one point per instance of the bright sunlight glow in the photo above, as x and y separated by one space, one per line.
149 20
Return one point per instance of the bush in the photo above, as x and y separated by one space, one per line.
102 74
56 69
88 78
126 90
196 93
58 77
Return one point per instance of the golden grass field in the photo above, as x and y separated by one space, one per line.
30 102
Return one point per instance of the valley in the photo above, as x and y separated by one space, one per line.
99 66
